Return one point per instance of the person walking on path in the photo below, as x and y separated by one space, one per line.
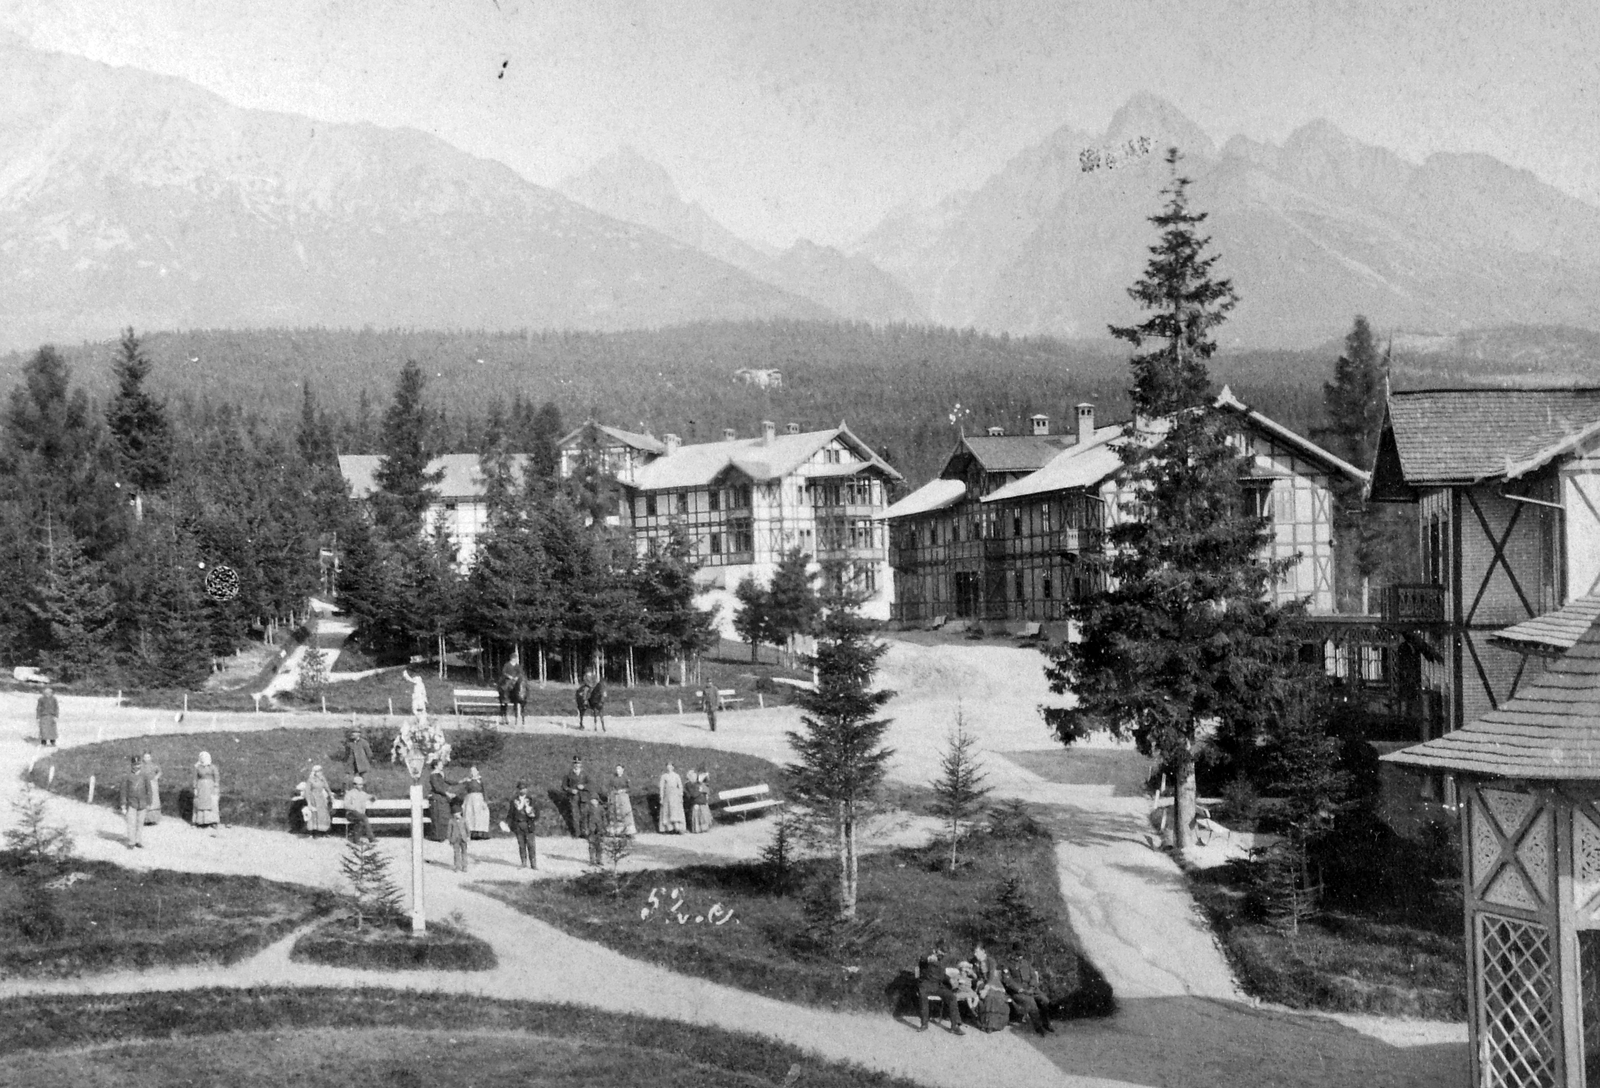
356 800
933 982
474 807
576 787
45 713
207 793
670 788
319 802
458 834
620 803
360 754
700 808
521 817
152 776
133 795
419 698
440 797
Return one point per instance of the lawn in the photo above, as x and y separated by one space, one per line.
326 1038
387 945
121 919
259 770
737 931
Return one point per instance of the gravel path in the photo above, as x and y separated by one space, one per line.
1180 1020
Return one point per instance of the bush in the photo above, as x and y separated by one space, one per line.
1241 802
779 855
391 947
480 744
37 917
1010 821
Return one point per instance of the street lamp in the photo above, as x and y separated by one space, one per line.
415 762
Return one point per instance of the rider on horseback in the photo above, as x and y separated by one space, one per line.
512 687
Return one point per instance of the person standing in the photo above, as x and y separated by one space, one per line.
45 713
319 802
207 793
621 804
932 981
699 802
576 787
439 797
710 699
152 776
670 788
475 807
133 795
521 818
356 800
360 754
458 834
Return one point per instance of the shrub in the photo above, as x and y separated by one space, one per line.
1241 802
1011 820
825 932
779 855
480 744
34 843
313 679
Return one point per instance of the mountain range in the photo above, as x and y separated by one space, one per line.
132 198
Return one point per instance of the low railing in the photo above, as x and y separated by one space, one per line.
1414 603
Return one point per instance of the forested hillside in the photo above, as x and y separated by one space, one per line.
896 386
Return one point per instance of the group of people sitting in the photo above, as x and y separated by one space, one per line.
982 989
139 796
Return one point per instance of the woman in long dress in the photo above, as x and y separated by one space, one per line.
475 809
319 802
620 804
671 789
993 1010
152 774
207 790
439 797
700 810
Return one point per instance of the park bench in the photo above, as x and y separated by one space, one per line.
1029 630
742 802
391 812
468 700
937 622
727 698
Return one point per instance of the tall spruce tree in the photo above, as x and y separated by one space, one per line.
792 601
840 760
1353 404
404 483
76 606
138 423
1182 639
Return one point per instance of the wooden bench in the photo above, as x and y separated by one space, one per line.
742 802
1029 630
470 699
392 812
727 698
936 623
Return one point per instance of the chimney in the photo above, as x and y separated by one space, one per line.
997 432
672 442
1085 423
769 431
791 428
1041 424
729 434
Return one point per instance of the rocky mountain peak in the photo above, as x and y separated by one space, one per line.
1163 124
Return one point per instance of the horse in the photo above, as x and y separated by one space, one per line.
513 692
581 697
597 703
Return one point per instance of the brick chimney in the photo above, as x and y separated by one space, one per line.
672 442
729 434
1085 422
769 431
1041 424
791 428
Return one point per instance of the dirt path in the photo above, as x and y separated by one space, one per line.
1180 1020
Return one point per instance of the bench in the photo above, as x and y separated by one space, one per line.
393 812
727 698
470 699
742 802
936 623
1029 631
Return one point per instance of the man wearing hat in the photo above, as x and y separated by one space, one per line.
521 817
356 800
576 785
360 754
133 799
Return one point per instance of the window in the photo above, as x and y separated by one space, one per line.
1016 585
867 578
683 502
830 456
743 538
1258 499
1048 521
649 506
1047 587
739 497
716 543
1435 557
1016 523
716 500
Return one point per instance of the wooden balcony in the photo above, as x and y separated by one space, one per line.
1414 603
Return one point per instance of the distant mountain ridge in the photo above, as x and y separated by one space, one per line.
1311 232
627 186
133 198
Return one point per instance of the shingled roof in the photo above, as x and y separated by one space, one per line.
1553 631
1452 436
1015 452
1549 731
462 477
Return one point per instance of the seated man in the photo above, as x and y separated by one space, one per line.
1026 990
356 800
933 982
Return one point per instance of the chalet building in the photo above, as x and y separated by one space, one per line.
622 453
459 501
1506 484
763 377
746 501
1000 538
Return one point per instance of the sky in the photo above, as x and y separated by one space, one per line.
815 118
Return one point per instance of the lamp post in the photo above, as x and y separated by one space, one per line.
415 762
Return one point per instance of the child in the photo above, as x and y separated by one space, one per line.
458 834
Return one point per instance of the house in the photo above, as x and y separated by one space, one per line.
766 378
622 453
1506 484
459 495
745 501
1001 535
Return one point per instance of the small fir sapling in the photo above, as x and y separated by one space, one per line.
313 677
366 867
959 791
779 854
35 843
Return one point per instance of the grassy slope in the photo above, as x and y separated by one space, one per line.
912 902
122 919
259 770
187 1026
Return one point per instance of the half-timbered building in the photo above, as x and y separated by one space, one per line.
621 453
458 501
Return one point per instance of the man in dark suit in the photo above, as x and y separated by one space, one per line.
576 786
933 982
1023 986
360 754
520 818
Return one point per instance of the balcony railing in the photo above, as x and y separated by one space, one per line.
1415 603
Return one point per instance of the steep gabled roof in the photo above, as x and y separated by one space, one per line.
699 464
1554 631
462 478
931 496
1011 452
1461 436
649 443
1550 730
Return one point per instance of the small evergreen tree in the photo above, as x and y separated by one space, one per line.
313 678
779 854
33 840
366 867
840 758
1017 918
615 847
959 791
138 422
753 621
792 601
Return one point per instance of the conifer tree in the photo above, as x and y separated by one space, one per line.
792 601
1353 404
404 484
959 791
543 438
76 605
753 621
667 592
314 438
138 423
366 867
1182 637
840 758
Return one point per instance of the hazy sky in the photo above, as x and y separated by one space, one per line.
813 118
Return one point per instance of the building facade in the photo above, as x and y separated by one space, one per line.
621 453
459 495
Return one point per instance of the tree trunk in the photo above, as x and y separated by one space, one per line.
851 873
1183 803
847 901
754 650
544 667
